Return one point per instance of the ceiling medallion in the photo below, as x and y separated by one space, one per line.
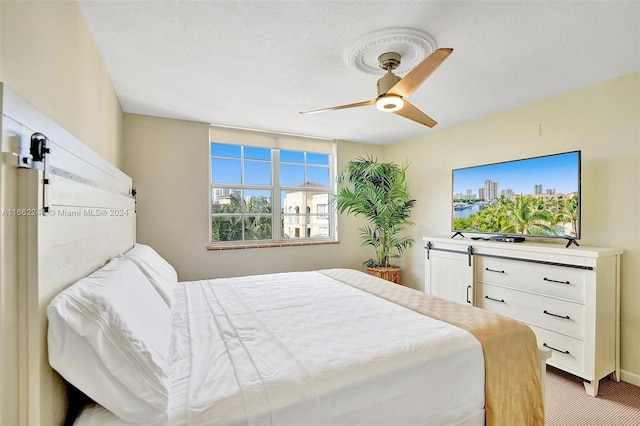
412 44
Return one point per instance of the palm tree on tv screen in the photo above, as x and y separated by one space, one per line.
524 214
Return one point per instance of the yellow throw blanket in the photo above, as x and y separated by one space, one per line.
513 390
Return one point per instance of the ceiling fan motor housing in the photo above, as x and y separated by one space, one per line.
386 82
388 62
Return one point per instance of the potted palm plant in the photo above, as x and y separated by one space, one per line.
378 191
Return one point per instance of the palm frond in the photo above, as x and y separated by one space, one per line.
377 191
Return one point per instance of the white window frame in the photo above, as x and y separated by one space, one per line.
276 142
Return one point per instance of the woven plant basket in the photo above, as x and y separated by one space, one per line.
391 273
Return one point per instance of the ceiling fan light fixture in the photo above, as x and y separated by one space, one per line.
389 103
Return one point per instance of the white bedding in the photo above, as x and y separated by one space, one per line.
303 349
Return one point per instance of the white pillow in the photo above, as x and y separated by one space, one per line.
109 331
160 272
72 356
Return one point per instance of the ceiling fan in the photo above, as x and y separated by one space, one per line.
393 90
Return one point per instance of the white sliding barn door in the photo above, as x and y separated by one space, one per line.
449 273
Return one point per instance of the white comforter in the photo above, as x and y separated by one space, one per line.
303 349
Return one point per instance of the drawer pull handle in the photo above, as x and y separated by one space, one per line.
556 315
554 349
555 281
494 270
495 300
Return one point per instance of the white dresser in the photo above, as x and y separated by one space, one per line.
569 296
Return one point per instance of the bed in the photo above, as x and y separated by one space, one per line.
333 346
300 348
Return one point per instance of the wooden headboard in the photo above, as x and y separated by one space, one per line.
73 211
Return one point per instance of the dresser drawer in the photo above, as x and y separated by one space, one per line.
552 314
567 352
552 280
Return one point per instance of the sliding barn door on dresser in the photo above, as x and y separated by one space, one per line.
569 296
450 271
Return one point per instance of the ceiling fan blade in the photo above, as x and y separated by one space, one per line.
358 104
413 113
420 73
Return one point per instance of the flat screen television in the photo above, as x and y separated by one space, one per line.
531 197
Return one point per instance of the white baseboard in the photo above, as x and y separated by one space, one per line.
629 377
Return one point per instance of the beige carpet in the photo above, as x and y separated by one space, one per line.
617 404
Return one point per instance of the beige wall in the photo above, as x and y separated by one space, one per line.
48 56
603 121
169 163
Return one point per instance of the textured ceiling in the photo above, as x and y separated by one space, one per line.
256 64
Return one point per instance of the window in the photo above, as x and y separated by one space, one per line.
266 190
323 210
240 193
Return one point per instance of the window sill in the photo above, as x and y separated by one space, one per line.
244 245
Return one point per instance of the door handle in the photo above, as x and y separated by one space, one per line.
556 315
556 349
555 281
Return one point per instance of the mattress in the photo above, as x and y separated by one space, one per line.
301 348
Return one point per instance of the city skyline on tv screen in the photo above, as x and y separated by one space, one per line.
535 196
